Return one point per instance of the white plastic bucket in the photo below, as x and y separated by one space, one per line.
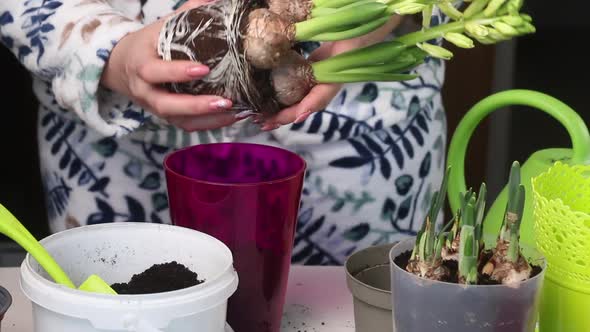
115 252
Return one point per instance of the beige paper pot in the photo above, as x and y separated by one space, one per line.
5 302
368 279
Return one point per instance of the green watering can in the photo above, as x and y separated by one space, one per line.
537 163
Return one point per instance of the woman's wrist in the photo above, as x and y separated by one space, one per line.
113 74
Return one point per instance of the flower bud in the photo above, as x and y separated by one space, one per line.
459 40
514 6
527 28
447 8
513 20
486 41
505 29
436 51
410 9
476 30
475 8
526 17
493 7
495 35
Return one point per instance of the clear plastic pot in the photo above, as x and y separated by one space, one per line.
421 305
5 302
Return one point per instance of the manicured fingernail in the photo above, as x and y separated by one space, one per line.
302 117
221 104
197 70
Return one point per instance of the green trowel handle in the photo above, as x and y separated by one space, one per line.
561 112
11 227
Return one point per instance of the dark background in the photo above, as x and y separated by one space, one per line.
551 61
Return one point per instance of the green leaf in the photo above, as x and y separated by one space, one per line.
151 181
90 73
369 93
160 201
106 147
388 209
397 100
404 209
133 169
414 107
332 192
349 196
357 232
318 182
338 205
403 184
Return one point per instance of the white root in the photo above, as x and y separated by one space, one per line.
230 74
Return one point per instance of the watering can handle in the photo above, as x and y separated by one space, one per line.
572 122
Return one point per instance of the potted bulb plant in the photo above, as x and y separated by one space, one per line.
457 279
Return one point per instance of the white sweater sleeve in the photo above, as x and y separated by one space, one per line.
67 42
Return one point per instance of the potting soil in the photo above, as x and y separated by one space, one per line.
159 278
482 279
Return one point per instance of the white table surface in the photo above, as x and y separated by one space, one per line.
317 301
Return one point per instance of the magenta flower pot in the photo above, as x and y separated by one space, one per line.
247 196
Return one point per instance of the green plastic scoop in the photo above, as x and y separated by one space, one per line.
11 227
537 163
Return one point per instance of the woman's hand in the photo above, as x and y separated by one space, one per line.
322 94
135 70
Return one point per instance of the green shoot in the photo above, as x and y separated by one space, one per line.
479 211
429 244
514 248
512 214
468 254
486 21
359 14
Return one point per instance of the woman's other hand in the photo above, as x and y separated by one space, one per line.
321 95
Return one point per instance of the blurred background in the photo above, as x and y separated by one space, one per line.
550 61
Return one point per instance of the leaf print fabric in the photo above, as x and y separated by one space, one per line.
375 155
64 43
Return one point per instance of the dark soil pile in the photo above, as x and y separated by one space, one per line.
159 278
403 258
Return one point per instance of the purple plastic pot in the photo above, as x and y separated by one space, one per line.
247 196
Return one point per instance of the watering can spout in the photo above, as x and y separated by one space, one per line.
536 164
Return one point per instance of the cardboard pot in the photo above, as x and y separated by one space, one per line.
368 279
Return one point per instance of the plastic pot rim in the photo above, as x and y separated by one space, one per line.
351 276
450 284
169 169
